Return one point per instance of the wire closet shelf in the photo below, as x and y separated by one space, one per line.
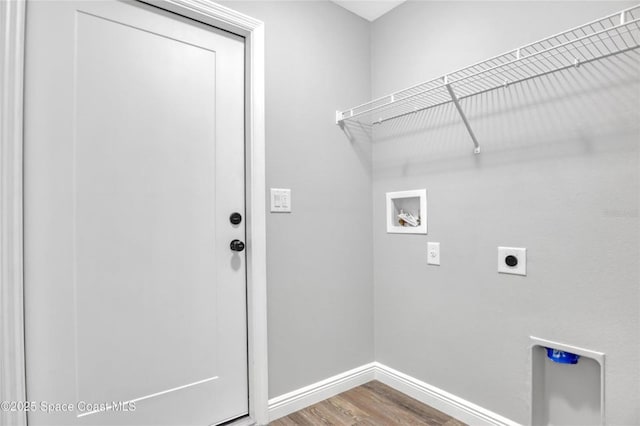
599 39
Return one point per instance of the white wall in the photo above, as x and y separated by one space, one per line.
559 174
319 257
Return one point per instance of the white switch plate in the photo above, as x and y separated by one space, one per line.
519 253
280 200
433 253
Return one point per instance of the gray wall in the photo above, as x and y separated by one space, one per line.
559 174
319 257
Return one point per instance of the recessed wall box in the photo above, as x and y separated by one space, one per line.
407 212
566 393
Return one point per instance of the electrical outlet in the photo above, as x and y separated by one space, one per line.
433 254
512 260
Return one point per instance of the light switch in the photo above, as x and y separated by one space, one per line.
433 253
512 260
280 200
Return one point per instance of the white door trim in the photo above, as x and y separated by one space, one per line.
12 367
12 376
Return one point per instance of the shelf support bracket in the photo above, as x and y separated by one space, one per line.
343 127
456 102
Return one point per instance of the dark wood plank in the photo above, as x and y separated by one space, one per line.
454 422
350 413
423 411
380 408
299 417
372 404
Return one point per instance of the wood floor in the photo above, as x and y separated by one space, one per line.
370 404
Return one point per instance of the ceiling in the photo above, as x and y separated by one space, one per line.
369 10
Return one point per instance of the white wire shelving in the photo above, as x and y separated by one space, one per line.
599 39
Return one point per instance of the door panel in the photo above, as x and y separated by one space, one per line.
134 160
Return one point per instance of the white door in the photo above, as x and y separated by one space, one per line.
134 162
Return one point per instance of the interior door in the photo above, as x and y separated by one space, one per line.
134 162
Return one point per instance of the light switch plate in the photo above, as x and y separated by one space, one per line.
280 200
521 258
433 254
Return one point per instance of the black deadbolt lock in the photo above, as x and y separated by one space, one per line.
235 218
511 260
237 245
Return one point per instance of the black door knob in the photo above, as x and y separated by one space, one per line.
235 218
237 245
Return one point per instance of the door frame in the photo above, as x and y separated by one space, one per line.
12 45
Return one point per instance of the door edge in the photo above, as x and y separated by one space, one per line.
12 369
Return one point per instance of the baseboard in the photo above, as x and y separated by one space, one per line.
439 399
301 398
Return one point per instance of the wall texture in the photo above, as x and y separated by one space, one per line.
559 174
319 257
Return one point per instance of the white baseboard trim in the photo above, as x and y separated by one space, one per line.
291 402
439 399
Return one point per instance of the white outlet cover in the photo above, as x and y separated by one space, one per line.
433 254
280 200
518 253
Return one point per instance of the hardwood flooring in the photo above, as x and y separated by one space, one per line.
372 404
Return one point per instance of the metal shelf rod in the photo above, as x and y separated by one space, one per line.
464 119
404 114
519 58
